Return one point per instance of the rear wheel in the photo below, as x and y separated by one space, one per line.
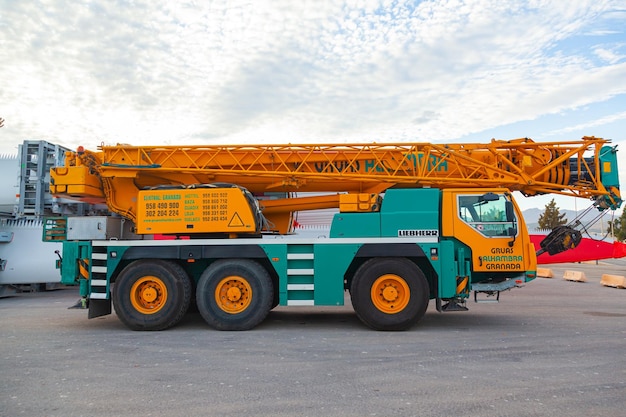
151 294
234 294
389 293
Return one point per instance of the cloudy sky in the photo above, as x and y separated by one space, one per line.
211 72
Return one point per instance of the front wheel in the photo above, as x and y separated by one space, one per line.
151 294
389 293
234 294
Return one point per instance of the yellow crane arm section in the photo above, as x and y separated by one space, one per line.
114 174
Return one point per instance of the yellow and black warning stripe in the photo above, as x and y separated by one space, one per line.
83 268
461 285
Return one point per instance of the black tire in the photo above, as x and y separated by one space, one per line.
275 301
193 308
389 293
234 294
151 294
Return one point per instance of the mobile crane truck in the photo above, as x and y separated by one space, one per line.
211 224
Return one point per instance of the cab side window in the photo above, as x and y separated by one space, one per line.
486 213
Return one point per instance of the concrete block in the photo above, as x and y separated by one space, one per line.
545 273
577 276
617 281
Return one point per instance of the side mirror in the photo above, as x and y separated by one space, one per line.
510 213
510 218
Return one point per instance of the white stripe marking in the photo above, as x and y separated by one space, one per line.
98 296
300 302
305 287
303 271
300 256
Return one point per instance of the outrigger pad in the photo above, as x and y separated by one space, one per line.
453 306
99 308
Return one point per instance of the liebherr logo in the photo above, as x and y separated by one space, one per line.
418 233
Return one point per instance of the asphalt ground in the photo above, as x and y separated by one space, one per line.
552 348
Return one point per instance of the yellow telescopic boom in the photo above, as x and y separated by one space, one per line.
114 175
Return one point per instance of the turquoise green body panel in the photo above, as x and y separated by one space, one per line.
609 174
310 272
410 209
399 211
277 254
69 270
447 271
114 259
362 225
331 263
608 170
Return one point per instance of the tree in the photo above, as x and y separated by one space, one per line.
618 227
551 217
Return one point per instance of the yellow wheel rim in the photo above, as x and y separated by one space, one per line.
148 295
390 294
233 294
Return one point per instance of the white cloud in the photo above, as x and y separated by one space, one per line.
590 124
611 56
149 72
